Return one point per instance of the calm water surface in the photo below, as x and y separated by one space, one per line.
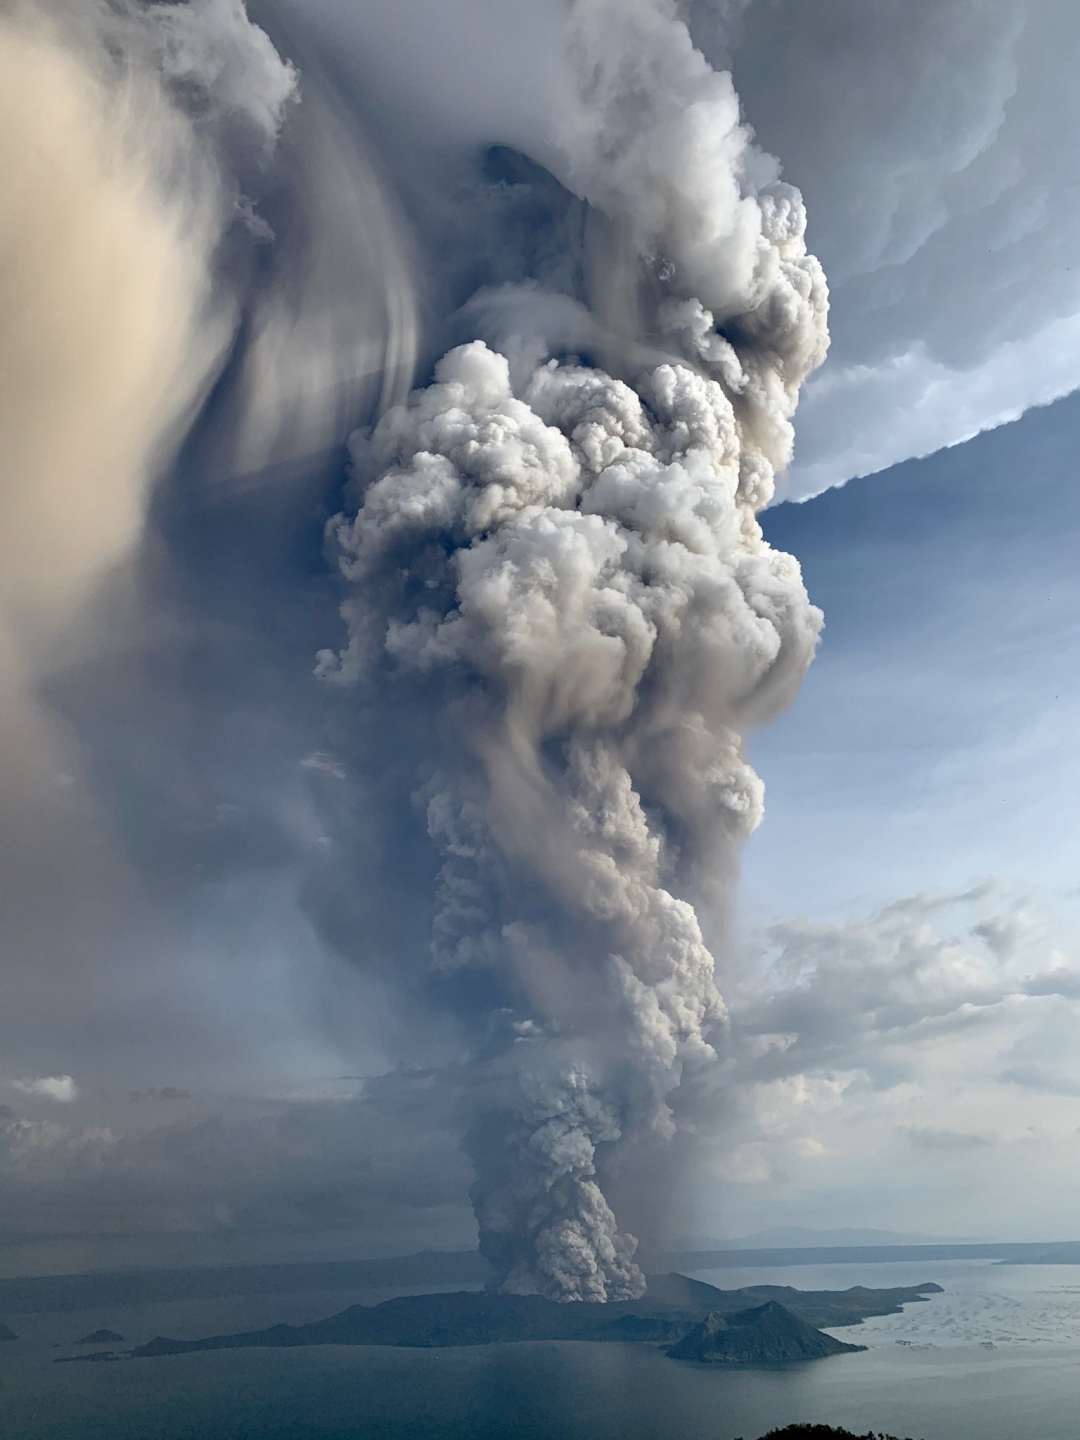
995 1358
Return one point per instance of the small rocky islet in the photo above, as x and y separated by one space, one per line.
767 1334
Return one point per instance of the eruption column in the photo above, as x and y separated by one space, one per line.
566 565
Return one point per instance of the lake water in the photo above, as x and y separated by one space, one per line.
995 1358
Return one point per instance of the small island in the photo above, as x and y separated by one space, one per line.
766 1334
757 1325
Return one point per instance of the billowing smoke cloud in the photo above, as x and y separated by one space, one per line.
170 258
117 205
562 563
550 553
171 206
117 123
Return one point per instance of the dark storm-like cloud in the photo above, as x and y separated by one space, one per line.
919 136
382 1162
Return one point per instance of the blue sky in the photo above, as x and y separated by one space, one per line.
932 744
913 890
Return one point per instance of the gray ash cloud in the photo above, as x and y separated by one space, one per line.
560 615
560 562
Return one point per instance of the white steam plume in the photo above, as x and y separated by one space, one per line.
566 565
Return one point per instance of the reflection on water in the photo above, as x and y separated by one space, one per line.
929 1373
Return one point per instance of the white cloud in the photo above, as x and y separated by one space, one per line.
858 419
61 1088
809 1147
925 1041
323 763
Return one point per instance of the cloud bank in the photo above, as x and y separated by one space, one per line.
920 138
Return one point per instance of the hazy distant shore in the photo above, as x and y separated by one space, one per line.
458 1268
1062 1252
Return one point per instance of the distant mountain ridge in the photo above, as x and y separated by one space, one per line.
801 1237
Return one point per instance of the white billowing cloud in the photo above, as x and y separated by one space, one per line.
864 995
935 1038
940 405
322 762
61 1088
942 206
214 46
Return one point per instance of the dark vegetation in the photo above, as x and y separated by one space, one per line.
821 1432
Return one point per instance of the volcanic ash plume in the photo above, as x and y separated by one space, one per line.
567 567
553 550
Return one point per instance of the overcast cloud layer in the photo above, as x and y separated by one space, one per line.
931 1041
931 145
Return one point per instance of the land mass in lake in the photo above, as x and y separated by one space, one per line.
773 1321
766 1334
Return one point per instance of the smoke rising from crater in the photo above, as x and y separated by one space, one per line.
562 562
550 552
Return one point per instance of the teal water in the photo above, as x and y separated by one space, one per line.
995 1358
